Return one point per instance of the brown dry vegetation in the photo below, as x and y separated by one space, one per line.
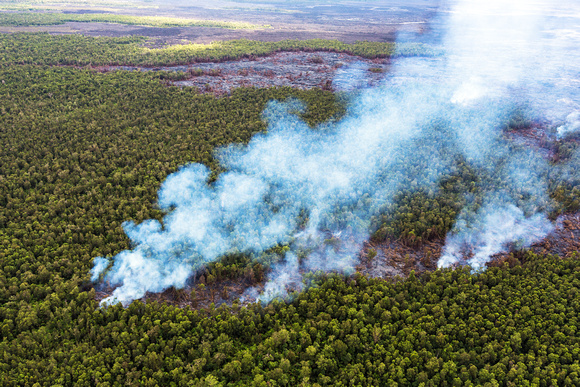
393 259
390 260
302 70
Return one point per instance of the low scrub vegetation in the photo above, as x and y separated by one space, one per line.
54 18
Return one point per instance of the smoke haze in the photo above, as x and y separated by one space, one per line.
317 191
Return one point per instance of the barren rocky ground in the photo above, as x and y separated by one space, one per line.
304 70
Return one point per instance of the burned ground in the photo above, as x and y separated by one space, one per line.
390 259
302 70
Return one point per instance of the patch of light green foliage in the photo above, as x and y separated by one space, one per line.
54 18
101 5
79 50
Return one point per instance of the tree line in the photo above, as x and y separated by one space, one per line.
79 50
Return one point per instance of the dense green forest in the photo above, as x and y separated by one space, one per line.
509 326
79 50
84 151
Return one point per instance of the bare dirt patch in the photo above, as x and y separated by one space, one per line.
390 260
303 70
564 240
393 258
535 136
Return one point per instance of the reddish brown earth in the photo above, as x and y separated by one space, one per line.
536 137
393 260
390 259
201 292
565 240
302 70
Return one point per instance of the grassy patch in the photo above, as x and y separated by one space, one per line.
53 18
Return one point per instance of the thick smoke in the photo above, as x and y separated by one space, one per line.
335 177
317 191
524 52
572 124
494 229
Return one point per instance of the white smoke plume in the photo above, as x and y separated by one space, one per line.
572 125
515 53
318 190
495 229
288 278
